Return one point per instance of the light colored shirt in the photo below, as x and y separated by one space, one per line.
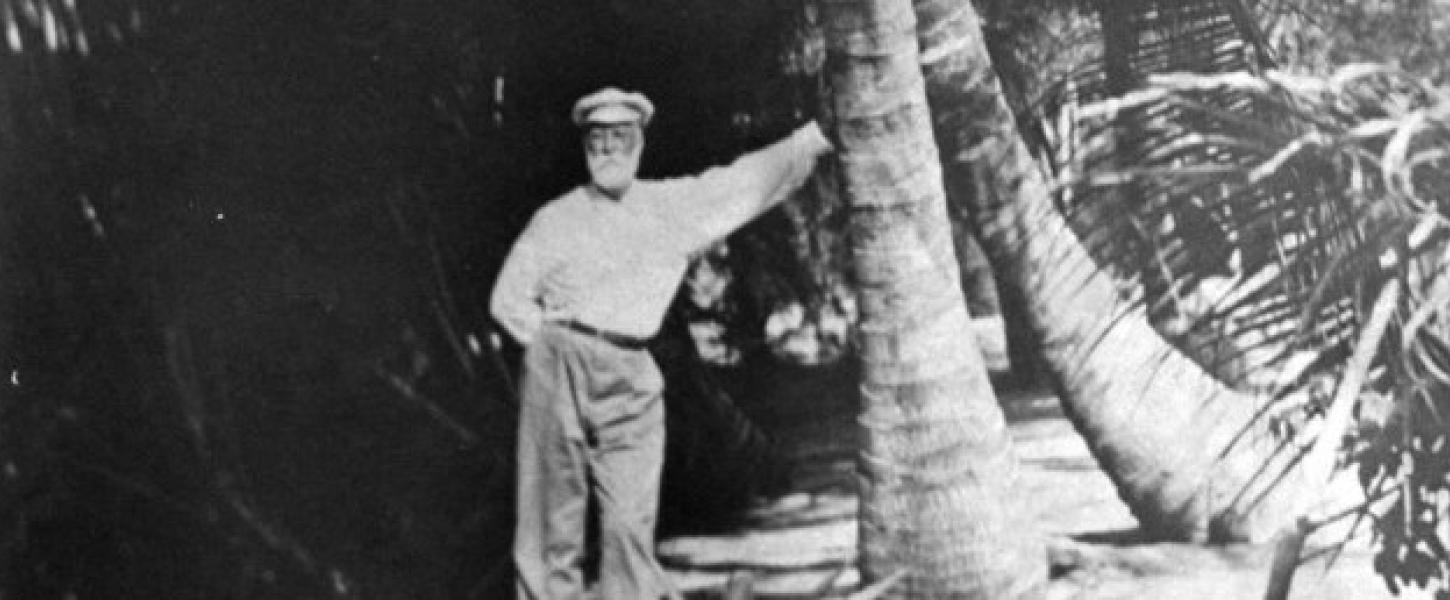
626 257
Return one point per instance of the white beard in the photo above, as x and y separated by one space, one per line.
614 173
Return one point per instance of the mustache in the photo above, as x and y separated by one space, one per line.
610 161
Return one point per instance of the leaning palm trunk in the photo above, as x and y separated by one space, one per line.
1189 456
1340 186
936 462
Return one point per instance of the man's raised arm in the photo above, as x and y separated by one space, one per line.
720 200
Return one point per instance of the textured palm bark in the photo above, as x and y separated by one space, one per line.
937 468
1189 456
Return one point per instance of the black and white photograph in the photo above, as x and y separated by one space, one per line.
724 299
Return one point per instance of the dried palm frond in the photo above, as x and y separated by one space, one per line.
1227 270
1323 189
1166 241
1301 198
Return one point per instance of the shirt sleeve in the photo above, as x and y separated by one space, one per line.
720 200
515 302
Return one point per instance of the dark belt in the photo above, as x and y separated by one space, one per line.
628 342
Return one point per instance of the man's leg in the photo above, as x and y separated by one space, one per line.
552 482
628 416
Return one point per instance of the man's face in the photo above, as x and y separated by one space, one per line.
612 152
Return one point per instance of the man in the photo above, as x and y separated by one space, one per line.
584 288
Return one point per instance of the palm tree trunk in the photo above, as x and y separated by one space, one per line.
1188 455
936 463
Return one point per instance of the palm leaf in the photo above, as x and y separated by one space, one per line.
1337 190
1295 197
1188 146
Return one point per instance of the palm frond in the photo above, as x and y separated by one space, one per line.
1325 190
1257 211
1158 165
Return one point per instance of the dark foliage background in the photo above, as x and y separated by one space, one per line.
245 249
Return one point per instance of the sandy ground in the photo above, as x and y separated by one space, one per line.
802 544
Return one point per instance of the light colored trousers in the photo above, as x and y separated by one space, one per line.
592 420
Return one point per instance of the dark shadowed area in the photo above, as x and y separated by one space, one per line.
246 248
